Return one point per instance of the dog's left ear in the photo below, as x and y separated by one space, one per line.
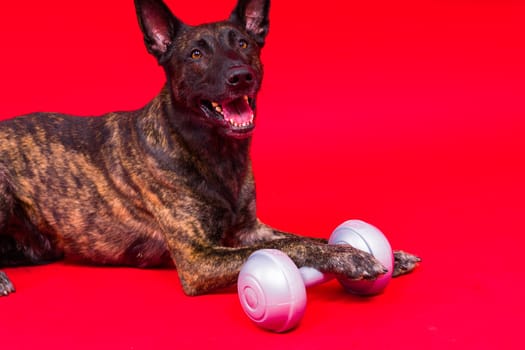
159 27
253 16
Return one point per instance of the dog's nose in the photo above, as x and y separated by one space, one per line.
240 77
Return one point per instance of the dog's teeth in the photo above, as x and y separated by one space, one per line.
218 109
246 98
240 125
215 104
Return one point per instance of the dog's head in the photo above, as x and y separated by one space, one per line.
213 70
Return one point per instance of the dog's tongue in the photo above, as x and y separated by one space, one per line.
238 112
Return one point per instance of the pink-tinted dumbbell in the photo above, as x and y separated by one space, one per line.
272 290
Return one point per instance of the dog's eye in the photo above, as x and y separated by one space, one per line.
196 54
243 44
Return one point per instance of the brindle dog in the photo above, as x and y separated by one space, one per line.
169 184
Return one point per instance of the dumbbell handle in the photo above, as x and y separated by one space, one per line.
313 277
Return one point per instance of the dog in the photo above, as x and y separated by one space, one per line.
170 184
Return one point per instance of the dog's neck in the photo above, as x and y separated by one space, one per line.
220 159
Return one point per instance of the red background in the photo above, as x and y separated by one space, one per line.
407 114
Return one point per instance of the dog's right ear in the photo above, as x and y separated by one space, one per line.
159 27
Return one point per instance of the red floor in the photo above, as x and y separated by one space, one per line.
407 114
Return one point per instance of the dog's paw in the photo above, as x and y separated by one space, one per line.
404 263
6 287
347 261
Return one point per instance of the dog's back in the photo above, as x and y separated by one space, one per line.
74 185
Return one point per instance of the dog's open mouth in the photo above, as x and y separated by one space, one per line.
236 115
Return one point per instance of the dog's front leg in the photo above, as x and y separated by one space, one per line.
403 262
203 266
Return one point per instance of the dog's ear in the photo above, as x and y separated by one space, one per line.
159 27
253 16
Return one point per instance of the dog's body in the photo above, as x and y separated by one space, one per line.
170 184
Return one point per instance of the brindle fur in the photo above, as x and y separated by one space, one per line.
162 186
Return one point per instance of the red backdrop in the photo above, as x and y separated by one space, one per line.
407 114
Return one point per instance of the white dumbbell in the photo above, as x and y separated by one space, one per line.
272 290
